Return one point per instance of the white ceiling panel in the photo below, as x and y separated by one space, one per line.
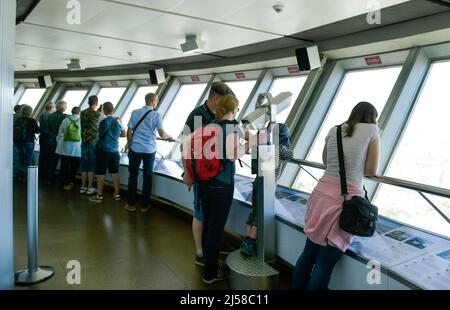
172 30
97 17
165 5
88 46
46 59
298 15
152 30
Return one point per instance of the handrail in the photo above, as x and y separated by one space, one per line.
438 191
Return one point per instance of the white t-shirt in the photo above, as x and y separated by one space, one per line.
355 151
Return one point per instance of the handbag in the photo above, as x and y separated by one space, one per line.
358 215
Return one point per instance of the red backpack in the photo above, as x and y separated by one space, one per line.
204 162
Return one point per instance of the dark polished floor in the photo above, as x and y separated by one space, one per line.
116 249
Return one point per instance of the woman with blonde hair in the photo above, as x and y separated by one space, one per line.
216 194
326 242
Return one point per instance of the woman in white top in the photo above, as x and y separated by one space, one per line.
69 148
326 242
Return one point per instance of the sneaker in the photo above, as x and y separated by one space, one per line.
130 208
96 198
143 210
67 187
91 191
116 196
221 275
225 251
248 248
72 185
199 260
83 190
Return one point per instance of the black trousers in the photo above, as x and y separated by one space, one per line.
44 158
216 203
69 168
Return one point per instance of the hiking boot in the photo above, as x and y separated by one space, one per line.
199 260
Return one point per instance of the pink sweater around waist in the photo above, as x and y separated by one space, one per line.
323 211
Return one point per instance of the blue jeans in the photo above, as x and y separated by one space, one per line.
133 173
198 212
314 266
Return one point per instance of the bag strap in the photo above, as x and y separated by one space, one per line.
139 122
341 162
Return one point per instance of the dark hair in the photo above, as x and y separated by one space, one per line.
363 112
75 110
108 108
92 100
17 108
221 89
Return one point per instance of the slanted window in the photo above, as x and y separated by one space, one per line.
373 86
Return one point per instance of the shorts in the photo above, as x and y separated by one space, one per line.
198 211
87 162
106 161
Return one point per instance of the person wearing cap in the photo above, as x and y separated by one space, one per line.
283 153
200 117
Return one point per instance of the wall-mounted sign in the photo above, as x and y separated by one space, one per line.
293 69
373 60
240 75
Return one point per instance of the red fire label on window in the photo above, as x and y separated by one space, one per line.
114 83
240 75
293 69
195 78
374 60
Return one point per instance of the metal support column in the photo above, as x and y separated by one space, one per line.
7 38
35 273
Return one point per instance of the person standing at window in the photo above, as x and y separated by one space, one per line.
44 139
25 129
54 122
69 148
141 137
90 119
326 242
107 156
200 117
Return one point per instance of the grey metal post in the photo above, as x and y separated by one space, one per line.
34 274
266 203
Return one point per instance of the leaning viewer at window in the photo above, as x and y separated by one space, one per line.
326 242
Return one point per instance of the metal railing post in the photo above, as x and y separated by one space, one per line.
35 273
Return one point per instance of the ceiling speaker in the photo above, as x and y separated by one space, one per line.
308 58
45 81
156 76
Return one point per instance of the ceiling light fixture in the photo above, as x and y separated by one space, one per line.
193 43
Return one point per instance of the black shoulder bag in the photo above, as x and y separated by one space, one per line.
358 215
